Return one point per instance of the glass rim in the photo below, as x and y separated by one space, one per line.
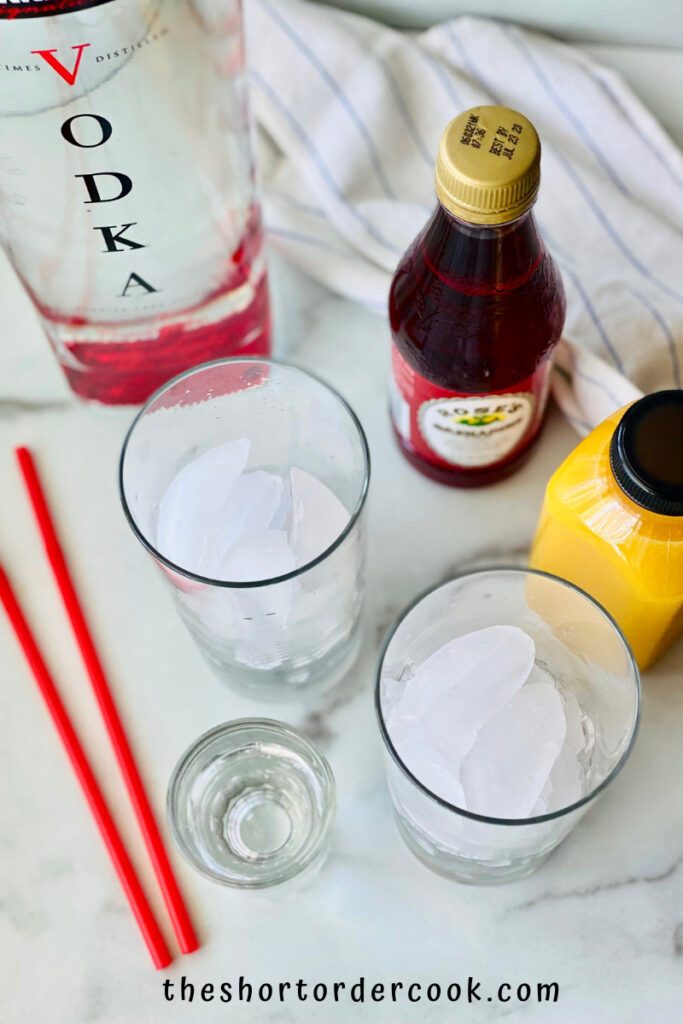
326 818
299 570
489 819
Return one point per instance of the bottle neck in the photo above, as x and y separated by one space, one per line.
482 258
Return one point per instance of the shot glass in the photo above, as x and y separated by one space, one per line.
251 804
283 634
579 647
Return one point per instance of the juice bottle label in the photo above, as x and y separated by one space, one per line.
455 429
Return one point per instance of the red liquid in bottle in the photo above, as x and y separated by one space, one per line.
128 373
475 311
125 363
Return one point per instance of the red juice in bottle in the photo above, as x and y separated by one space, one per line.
476 308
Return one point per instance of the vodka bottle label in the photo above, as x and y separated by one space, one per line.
125 171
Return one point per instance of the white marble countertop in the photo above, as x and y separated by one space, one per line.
603 917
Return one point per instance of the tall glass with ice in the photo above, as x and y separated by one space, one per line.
507 701
246 480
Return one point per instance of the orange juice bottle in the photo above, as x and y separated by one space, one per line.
612 521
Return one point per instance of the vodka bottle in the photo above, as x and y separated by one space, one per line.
127 202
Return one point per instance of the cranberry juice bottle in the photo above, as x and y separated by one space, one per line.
476 308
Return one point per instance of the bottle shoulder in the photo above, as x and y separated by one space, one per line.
474 331
583 495
476 269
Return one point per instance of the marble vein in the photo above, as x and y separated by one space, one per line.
10 408
621 883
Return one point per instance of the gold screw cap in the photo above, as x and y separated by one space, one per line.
488 168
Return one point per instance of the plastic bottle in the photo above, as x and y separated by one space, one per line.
612 521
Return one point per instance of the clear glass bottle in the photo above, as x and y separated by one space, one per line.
612 521
476 308
127 202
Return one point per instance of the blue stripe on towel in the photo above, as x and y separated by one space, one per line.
577 421
595 318
303 136
611 230
556 249
600 385
345 24
557 99
626 114
343 98
422 149
314 211
467 63
318 243
670 340
444 78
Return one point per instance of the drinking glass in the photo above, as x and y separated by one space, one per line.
579 645
278 637
252 804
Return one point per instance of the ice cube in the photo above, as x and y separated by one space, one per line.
575 738
427 764
283 513
318 516
263 556
565 784
393 687
248 512
510 763
192 504
566 780
541 805
456 690
262 613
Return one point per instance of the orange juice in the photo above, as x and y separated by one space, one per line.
612 521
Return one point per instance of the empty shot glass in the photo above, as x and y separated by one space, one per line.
251 804
246 480
507 701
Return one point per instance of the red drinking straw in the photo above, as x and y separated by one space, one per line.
150 830
117 851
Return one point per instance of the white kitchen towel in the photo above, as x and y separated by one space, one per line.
355 111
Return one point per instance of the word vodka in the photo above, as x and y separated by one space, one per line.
126 186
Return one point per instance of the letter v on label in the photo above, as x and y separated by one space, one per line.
68 76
